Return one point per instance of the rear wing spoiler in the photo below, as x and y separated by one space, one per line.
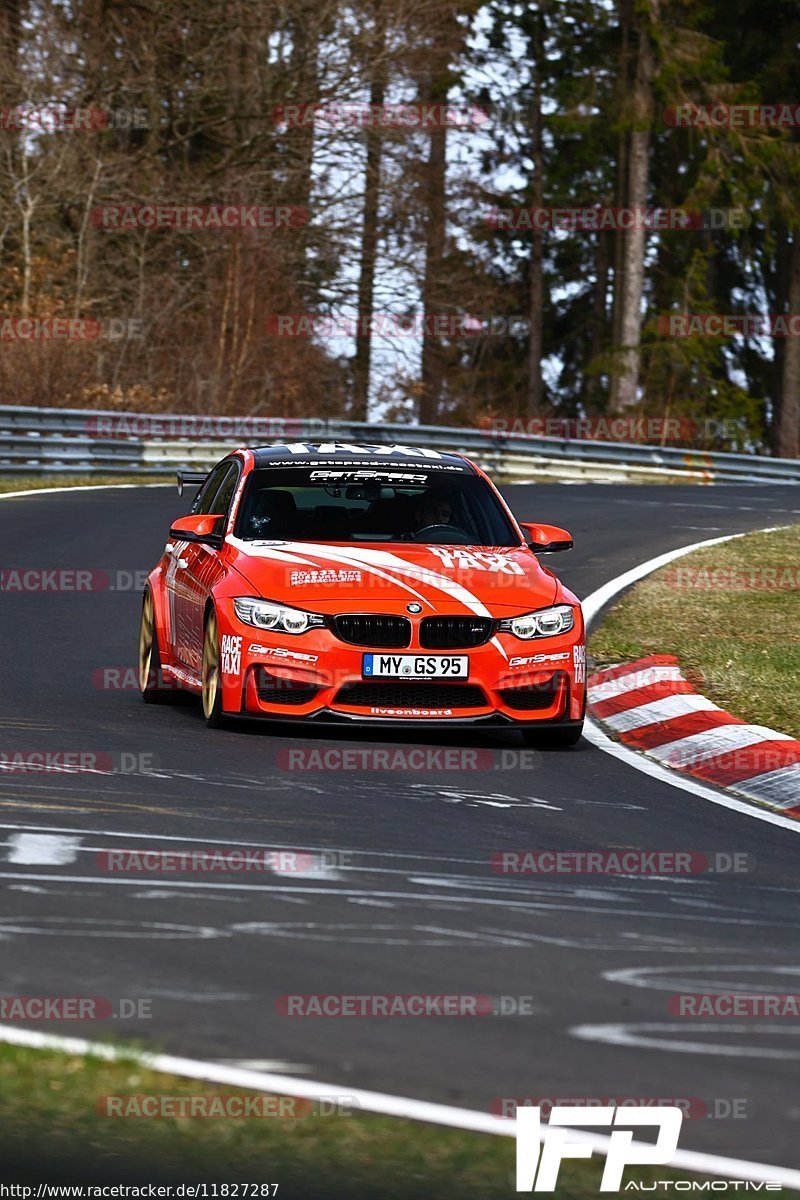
184 477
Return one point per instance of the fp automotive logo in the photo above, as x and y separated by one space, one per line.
537 1170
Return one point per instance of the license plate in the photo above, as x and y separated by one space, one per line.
416 666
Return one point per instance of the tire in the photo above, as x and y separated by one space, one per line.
151 675
553 739
210 674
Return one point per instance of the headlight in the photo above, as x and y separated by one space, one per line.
547 622
265 615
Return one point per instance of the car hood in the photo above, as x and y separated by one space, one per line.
445 579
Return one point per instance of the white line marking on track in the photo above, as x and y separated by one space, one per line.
264 1064
295 892
172 837
42 849
715 977
383 1103
627 1035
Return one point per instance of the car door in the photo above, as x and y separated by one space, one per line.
205 569
190 566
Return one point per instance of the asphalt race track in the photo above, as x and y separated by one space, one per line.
418 909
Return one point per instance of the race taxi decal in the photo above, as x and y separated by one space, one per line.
579 663
477 560
280 652
301 578
347 448
535 660
231 654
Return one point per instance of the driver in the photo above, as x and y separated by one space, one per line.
434 508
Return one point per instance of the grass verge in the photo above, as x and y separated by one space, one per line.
53 1132
729 614
22 483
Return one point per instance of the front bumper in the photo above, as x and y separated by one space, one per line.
315 677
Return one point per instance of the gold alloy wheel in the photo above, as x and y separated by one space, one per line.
210 671
146 636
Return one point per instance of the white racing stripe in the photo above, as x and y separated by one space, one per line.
322 555
379 562
383 1103
373 561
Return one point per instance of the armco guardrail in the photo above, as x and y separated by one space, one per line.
35 441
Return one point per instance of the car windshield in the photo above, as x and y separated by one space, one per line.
406 504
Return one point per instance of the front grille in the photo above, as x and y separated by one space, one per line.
361 629
452 633
401 694
528 699
274 690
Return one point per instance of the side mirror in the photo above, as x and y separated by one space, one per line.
546 539
199 527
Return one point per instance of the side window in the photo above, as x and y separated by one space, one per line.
210 488
222 500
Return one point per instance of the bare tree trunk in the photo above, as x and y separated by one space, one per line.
787 422
10 29
622 87
10 95
444 49
597 328
304 68
362 363
535 384
432 367
625 385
